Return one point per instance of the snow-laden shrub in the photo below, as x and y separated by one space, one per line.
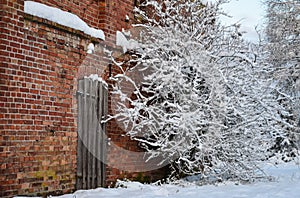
202 101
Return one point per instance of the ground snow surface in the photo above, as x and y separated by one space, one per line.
286 184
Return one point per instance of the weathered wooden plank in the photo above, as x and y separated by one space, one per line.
97 161
100 132
90 134
85 133
79 179
94 132
104 140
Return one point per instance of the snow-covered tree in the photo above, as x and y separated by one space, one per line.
283 31
202 101
283 46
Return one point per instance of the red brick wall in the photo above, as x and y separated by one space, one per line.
41 63
39 66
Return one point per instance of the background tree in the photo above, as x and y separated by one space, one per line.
283 48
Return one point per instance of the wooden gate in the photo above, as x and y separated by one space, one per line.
91 151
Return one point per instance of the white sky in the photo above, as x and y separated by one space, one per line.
249 12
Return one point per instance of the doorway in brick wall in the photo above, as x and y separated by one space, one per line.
91 150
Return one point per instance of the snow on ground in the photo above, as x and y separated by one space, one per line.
286 184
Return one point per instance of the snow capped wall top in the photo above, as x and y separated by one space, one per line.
61 17
126 44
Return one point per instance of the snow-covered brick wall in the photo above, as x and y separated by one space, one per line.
61 17
124 42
